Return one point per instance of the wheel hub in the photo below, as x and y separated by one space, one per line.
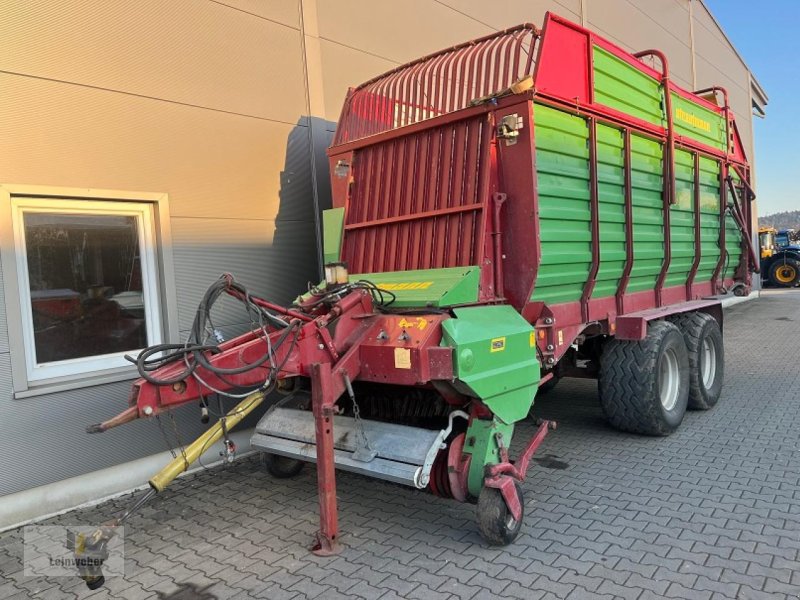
669 379
708 363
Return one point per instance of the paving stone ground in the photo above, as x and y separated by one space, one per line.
710 512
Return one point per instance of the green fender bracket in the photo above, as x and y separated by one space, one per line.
494 358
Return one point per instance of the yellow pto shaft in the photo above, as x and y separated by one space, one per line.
193 451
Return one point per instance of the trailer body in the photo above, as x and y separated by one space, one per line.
523 207
603 203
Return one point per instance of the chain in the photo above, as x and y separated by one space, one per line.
360 431
164 433
178 438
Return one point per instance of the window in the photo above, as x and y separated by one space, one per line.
85 273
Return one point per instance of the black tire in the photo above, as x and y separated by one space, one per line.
703 336
635 375
495 522
784 272
281 467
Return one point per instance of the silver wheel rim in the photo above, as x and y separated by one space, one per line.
708 363
669 379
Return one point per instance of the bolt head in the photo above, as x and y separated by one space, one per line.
148 410
321 346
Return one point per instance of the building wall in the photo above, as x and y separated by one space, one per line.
227 106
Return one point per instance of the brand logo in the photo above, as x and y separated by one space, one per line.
692 120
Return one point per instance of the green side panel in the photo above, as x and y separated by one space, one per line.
697 122
648 213
611 203
625 88
709 218
733 238
481 443
681 216
332 232
494 355
430 287
562 172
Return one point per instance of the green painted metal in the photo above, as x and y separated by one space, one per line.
562 160
429 287
494 356
562 172
682 221
625 88
709 218
648 213
332 234
481 444
697 122
611 204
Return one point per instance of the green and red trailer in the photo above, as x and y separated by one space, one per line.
531 205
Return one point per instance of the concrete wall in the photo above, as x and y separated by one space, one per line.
227 106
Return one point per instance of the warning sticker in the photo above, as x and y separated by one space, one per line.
402 358
498 344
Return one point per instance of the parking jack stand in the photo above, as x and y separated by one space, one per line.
322 402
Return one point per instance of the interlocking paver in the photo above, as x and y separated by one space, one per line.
710 512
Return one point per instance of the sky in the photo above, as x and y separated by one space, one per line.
766 35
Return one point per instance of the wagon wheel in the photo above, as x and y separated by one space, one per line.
495 522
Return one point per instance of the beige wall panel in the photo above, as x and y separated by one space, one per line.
273 259
342 68
506 13
286 12
190 51
712 47
397 31
641 24
212 164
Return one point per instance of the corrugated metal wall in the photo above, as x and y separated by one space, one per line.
227 106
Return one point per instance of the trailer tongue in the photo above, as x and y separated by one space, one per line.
511 222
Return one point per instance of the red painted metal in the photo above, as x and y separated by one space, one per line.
669 168
458 468
633 326
433 190
501 476
626 272
594 209
451 78
323 400
697 241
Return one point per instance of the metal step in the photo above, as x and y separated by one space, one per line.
400 453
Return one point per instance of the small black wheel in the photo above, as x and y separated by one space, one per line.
703 339
495 522
784 273
281 467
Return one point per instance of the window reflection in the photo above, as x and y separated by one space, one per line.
85 283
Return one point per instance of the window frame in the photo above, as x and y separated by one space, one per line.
156 252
